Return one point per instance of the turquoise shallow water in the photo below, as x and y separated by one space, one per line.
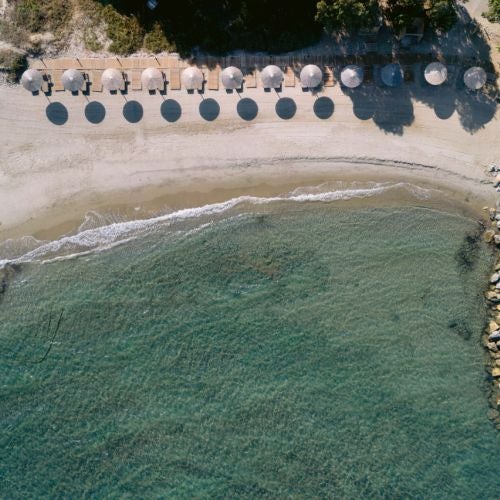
310 350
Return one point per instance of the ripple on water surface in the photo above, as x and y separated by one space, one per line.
308 350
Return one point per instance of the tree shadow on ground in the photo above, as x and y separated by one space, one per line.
467 41
392 109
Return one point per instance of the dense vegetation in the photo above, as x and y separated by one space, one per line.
493 13
274 25
347 15
270 25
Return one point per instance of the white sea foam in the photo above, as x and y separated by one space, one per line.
96 235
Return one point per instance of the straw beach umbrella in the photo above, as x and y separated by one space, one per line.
271 77
475 78
310 76
192 78
152 79
435 73
32 80
112 79
392 75
232 78
72 80
352 76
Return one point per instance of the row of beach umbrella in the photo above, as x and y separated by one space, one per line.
272 77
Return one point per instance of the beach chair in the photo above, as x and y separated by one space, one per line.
135 79
95 80
175 79
289 77
213 79
55 76
328 78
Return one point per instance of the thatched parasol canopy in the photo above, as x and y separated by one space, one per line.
32 80
311 76
112 79
192 78
352 76
232 78
72 79
271 77
475 78
435 73
392 75
152 79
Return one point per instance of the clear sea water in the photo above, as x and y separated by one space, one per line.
293 349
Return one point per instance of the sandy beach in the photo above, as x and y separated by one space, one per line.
52 175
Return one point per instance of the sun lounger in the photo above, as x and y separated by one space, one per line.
55 76
329 79
95 80
289 77
213 79
175 79
135 79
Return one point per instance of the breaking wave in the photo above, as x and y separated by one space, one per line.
107 235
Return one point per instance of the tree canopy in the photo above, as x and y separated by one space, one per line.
493 13
347 15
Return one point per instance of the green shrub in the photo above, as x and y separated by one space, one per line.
347 15
29 15
14 62
13 34
125 32
91 41
442 14
493 13
155 40
41 15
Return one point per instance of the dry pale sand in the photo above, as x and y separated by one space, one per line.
51 175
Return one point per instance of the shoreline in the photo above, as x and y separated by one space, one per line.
50 175
464 196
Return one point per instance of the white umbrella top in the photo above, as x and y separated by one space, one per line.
192 78
271 77
72 79
475 78
32 80
232 78
112 79
392 75
152 79
311 76
352 76
435 73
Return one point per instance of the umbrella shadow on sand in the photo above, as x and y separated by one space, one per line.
95 112
57 113
170 110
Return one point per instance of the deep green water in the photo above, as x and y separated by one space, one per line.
314 351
